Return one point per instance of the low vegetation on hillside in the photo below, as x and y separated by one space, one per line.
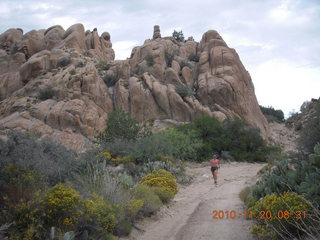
49 192
272 114
288 193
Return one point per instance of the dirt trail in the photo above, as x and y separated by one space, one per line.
188 217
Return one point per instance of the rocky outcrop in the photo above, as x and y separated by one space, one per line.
64 83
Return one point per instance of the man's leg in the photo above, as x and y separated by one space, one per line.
215 176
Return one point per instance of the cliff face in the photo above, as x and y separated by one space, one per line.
64 83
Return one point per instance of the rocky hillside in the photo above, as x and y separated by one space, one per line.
63 83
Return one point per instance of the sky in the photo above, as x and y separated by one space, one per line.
278 41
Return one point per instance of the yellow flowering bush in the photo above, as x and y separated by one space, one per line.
161 179
284 213
62 206
116 160
99 211
133 207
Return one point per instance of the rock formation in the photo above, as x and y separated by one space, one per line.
64 83
156 32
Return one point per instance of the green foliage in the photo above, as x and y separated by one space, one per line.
150 148
149 59
102 66
184 90
64 62
185 64
46 93
169 58
120 125
299 176
310 133
53 161
178 36
272 115
20 203
194 57
111 79
184 145
233 136
246 196
151 202
279 223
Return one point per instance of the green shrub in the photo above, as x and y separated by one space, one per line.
120 125
272 115
178 36
53 161
194 57
184 145
184 90
150 148
169 58
151 202
310 132
149 59
111 79
185 64
280 207
103 66
46 93
161 179
246 196
64 62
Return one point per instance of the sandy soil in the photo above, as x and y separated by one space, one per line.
189 216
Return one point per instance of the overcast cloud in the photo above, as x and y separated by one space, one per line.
278 40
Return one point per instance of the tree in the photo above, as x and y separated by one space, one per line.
178 36
120 125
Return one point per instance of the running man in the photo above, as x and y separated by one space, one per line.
215 165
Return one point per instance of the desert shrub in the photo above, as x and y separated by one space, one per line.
149 59
103 66
96 178
272 115
297 175
132 208
178 35
151 202
80 64
46 93
184 145
62 206
169 58
20 202
64 62
185 64
194 57
246 196
168 163
183 90
280 207
161 179
149 149
111 79
164 195
99 213
120 125
310 132
53 161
